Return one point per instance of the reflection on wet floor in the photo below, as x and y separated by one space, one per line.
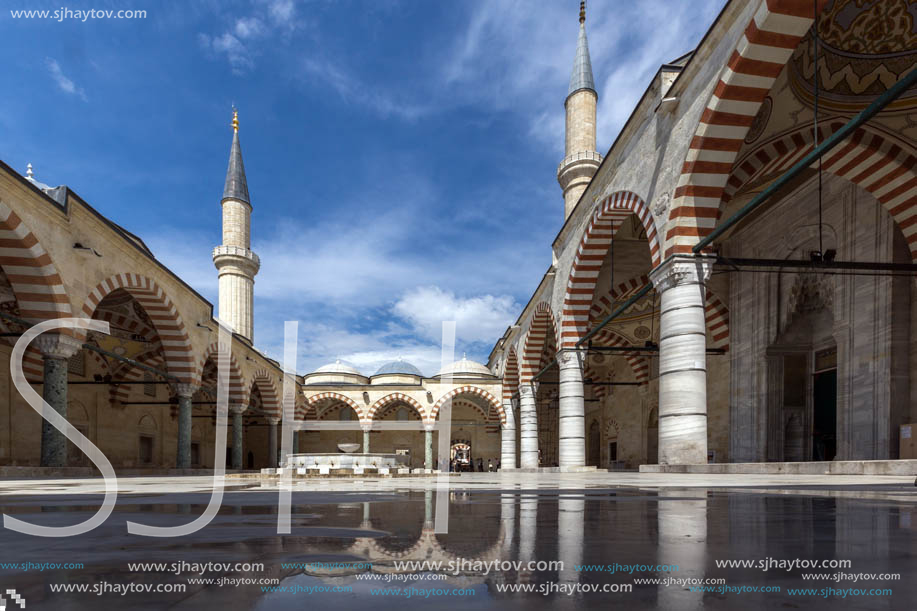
691 528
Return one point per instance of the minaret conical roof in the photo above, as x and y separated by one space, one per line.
581 77
236 186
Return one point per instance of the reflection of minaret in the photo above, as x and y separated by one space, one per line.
580 157
236 263
682 541
570 520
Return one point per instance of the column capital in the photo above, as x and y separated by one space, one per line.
57 345
527 389
273 421
236 408
366 425
569 358
183 390
428 426
682 269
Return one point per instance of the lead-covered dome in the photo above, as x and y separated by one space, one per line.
339 366
398 367
466 367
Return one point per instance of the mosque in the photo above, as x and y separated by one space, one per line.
732 283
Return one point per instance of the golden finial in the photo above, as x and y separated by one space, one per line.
582 11
235 119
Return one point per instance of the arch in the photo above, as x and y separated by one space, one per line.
32 274
510 375
470 390
593 247
612 430
868 158
767 43
147 423
335 411
716 315
176 344
238 390
638 363
265 384
396 396
541 328
314 400
118 394
131 324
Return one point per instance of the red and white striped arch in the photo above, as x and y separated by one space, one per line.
541 332
765 47
264 382
638 363
314 401
868 158
38 287
716 315
118 394
396 397
474 391
238 389
510 376
176 344
594 245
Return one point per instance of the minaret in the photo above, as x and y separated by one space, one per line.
580 157
234 259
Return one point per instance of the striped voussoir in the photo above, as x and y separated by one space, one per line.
717 316
238 389
118 394
127 324
322 397
593 248
541 332
604 306
470 390
638 363
176 345
395 396
490 417
871 160
764 48
510 376
590 374
264 381
36 284
33 363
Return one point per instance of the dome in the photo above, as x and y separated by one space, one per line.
339 367
466 367
399 366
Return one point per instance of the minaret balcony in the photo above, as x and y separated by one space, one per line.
244 258
578 166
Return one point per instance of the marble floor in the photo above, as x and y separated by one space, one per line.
580 540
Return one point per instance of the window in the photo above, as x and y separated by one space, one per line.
76 364
146 450
149 389
613 451
195 454
401 414
346 413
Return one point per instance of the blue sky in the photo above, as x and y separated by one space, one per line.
401 155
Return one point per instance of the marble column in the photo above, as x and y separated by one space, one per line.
682 360
528 426
183 451
56 350
428 448
366 428
571 430
508 438
272 442
236 411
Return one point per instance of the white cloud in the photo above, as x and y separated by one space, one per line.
65 84
235 51
281 11
481 318
249 27
240 44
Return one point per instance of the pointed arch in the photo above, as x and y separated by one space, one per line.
594 245
639 364
541 330
314 400
511 375
176 344
32 274
264 382
470 390
238 389
716 315
760 55
118 394
396 396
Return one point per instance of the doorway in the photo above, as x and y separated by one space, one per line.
824 423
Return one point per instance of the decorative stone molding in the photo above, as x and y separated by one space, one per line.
185 391
662 203
682 270
57 346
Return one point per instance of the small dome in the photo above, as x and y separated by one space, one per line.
466 367
399 366
339 367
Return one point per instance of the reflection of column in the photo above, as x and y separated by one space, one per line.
571 429
272 442
236 411
528 427
508 521
183 452
366 523
508 437
428 509
682 360
570 513
528 526
682 524
56 350
428 448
